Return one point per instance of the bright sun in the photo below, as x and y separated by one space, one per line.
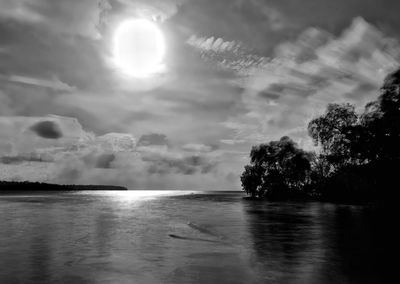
138 48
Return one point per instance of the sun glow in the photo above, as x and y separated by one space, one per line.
138 48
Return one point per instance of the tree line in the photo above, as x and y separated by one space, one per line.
13 186
357 159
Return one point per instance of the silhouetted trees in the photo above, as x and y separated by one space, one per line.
357 160
381 121
333 132
277 169
13 186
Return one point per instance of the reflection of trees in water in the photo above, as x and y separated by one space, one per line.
319 243
284 236
357 244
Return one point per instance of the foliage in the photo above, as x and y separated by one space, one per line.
333 131
358 154
276 165
251 180
381 121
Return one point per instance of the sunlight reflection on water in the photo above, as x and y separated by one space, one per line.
184 237
134 194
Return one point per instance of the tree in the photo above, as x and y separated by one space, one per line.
334 131
381 121
277 169
251 180
358 160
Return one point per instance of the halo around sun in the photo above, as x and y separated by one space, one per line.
138 48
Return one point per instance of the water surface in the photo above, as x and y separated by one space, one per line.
182 237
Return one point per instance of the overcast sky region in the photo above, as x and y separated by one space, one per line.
235 73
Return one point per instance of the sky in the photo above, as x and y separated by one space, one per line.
236 73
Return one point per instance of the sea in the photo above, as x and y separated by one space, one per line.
187 237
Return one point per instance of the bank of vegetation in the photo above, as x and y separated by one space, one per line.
6 186
358 156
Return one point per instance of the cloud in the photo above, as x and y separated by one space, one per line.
20 10
270 95
165 161
276 21
31 157
285 92
153 139
227 87
226 54
60 143
70 64
79 17
78 156
117 142
102 160
150 167
200 148
32 134
214 44
47 129
159 10
55 84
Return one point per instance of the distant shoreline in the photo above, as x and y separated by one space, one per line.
7 186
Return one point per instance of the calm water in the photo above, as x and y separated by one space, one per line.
178 237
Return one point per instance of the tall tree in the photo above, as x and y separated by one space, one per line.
333 131
381 121
277 168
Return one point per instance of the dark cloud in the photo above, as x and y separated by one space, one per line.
152 139
361 90
276 88
269 96
33 157
77 61
187 165
319 81
98 160
104 161
47 129
290 89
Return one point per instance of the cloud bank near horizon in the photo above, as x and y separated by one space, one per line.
64 153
